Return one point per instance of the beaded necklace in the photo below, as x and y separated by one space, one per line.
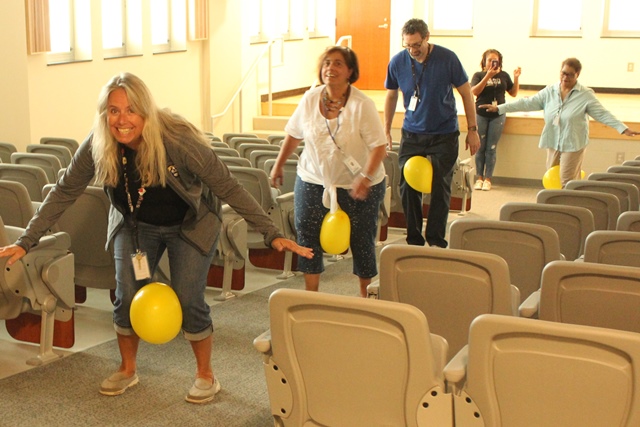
330 104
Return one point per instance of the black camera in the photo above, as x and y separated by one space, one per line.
494 64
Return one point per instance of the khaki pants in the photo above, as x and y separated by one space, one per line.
570 163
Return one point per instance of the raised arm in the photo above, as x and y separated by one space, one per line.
479 87
516 82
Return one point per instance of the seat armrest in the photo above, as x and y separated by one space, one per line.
440 348
515 299
13 233
456 370
286 197
263 342
373 289
275 192
530 306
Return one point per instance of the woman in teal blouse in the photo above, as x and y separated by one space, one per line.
567 106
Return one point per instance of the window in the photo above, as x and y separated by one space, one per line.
449 17
553 18
274 19
61 27
291 19
121 28
312 16
168 25
70 31
320 18
113 28
621 18
160 25
297 21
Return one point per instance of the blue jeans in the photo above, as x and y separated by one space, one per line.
188 266
443 151
363 215
490 131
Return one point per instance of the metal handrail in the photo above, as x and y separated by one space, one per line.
249 73
349 40
267 48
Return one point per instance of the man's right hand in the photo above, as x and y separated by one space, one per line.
389 141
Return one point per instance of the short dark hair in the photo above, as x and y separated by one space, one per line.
573 63
350 59
413 26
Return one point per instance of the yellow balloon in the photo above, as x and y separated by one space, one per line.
335 232
418 172
551 178
156 314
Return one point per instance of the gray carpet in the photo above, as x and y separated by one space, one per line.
65 392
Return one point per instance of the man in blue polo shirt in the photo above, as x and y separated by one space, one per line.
426 74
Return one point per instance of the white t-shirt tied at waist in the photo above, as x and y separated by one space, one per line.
357 130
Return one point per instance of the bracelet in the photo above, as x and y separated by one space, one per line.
472 128
364 175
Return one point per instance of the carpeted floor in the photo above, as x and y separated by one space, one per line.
65 393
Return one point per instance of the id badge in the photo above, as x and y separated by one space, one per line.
556 120
140 265
413 103
494 103
352 164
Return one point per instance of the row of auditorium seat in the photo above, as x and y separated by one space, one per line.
575 363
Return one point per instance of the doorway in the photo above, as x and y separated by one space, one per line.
368 23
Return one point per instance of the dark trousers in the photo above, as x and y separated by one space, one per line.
443 152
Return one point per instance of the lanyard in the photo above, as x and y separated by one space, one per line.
416 82
133 209
326 122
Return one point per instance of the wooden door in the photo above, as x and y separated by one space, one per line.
368 23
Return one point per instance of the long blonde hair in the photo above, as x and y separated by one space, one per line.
158 125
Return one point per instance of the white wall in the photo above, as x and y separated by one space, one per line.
14 102
232 57
505 25
60 100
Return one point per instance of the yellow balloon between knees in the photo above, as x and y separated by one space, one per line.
418 172
335 233
156 314
551 178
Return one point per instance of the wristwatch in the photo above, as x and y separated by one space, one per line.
472 128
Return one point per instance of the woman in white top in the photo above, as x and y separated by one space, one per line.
342 160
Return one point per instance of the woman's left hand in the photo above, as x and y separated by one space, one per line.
517 72
360 188
281 244
630 132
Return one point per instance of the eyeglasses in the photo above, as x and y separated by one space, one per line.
413 45
568 75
